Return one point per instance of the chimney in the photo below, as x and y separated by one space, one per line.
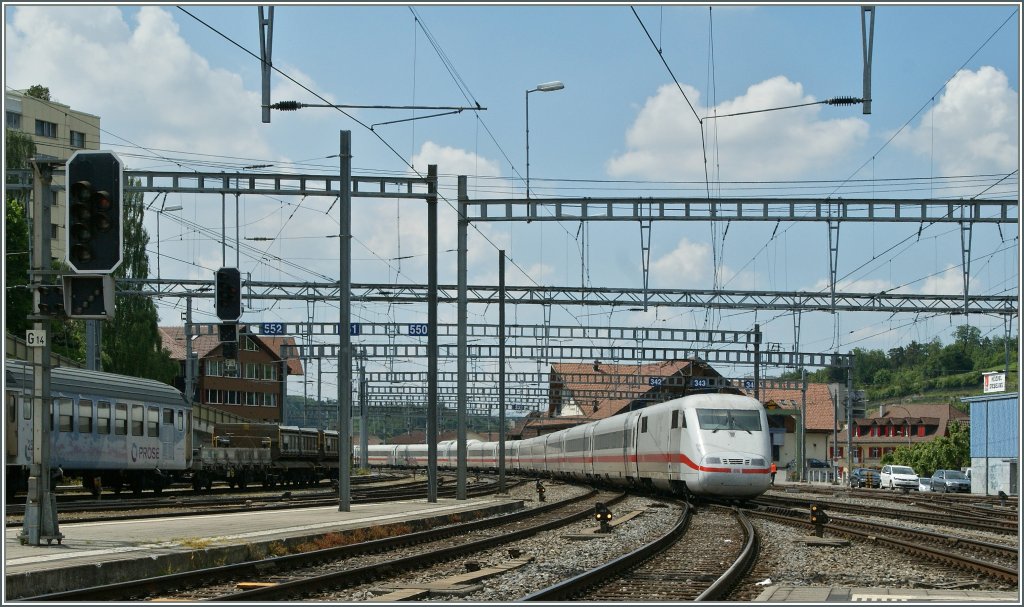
881 410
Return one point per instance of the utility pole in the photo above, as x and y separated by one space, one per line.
40 521
345 312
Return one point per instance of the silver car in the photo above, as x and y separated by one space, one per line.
950 481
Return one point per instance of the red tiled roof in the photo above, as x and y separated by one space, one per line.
622 383
820 411
173 339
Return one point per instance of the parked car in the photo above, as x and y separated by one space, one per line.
893 477
865 477
811 463
946 481
924 484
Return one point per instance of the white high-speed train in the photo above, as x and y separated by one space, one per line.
708 445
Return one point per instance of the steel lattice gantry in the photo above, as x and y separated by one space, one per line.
593 296
832 211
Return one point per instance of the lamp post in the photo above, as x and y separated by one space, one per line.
543 88
163 209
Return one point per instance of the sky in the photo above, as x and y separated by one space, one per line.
178 88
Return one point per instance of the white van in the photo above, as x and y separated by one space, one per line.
898 477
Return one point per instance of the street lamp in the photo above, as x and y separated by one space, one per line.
163 209
546 87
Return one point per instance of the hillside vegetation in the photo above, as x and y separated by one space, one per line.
927 371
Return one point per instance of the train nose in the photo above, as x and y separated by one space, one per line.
734 474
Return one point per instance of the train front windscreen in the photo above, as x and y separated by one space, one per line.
729 419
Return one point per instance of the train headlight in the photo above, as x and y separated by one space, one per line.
714 460
757 461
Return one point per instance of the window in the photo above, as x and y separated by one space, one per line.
46 129
120 419
181 420
168 417
138 420
251 371
214 368
153 421
77 139
103 418
728 419
85 416
250 345
53 230
232 397
875 452
675 418
214 396
66 414
13 120
269 371
643 424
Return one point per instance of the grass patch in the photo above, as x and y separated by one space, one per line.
195 543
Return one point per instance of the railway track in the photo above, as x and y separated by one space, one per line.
931 546
976 521
198 506
308 573
679 566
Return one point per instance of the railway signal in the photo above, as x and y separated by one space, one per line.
229 339
49 300
95 233
228 293
89 297
603 516
819 519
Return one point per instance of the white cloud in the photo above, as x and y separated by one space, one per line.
972 128
153 85
665 140
377 221
686 265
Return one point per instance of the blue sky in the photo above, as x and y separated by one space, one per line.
169 87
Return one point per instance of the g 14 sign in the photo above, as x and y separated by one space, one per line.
994 382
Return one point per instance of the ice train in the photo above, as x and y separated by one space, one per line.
706 445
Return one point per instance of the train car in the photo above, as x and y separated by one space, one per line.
266 454
705 445
107 429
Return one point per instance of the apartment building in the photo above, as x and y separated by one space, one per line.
58 132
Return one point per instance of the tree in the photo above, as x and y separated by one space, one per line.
39 92
18 299
950 452
67 336
131 341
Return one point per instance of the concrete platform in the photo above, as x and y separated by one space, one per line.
834 594
107 552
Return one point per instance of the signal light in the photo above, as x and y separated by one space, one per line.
49 300
89 297
228 293
818 518
95 234
603 516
